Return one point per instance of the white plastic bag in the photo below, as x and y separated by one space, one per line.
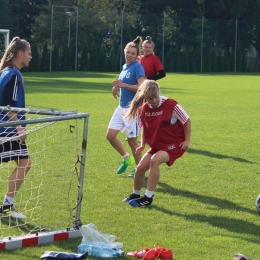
91 235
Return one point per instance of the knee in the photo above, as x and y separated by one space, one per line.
109 137
154 162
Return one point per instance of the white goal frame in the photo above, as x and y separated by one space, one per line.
48 117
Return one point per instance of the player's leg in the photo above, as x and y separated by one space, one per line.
117 124
19 153
132 130
139 177
156 160
17 177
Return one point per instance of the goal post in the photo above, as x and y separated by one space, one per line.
4 40
52 191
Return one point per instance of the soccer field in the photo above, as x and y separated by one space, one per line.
204 205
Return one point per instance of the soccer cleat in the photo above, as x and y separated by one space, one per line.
143 201
10 211
125 164
132 174
257 202
166 254
133 196
138 254
240 257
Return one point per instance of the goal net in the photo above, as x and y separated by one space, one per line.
4 41
50 196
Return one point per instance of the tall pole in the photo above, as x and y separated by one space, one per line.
51 35
163 38
121 47
76 48
235 60
202 35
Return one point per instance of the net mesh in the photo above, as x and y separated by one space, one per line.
48 195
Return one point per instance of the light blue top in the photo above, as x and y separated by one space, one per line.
129 75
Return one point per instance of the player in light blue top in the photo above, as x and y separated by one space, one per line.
131 76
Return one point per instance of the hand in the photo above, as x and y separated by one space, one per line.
117 83
21 133
184 145
139 150
115 92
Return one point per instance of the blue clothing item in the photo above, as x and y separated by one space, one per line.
129 75
12 94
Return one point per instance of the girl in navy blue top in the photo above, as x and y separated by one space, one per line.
12 139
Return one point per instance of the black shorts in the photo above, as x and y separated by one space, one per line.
12 150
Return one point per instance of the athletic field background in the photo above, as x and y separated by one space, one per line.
204 205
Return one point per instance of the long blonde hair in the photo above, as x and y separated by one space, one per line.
11 52
148 89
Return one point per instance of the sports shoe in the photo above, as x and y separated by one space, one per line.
257 202
9 210
125 164
132 174
240 257
133 196
138 254
143 201
166 254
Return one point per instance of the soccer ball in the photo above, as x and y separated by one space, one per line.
257 203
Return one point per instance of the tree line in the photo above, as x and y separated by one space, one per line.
175 27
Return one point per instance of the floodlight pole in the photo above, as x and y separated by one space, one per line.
76 48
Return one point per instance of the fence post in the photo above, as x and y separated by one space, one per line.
235 60
121 46
163 37
201 51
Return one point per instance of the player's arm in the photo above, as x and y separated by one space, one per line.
140 149
119 84
187 132
160 74
180 114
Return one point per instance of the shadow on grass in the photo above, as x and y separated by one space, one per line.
212 201
219 156
239 226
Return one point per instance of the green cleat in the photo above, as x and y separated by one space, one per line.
132 174
125 164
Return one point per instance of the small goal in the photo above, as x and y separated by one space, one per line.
4 41
51 194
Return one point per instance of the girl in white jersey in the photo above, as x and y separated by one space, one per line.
166 129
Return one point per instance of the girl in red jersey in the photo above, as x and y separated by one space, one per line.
166 129
152 65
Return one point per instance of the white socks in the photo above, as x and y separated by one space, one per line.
137 192
126 156
8 200
149 193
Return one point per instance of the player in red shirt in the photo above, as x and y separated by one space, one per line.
152 65
166 129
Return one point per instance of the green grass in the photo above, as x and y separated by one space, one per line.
204 205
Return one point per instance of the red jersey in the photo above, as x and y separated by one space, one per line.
158 131
151 64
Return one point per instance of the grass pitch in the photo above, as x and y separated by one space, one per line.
204 205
